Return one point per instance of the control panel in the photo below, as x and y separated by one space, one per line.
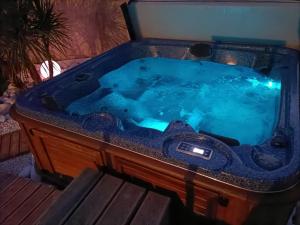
194 150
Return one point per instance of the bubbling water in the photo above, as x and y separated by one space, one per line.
232 101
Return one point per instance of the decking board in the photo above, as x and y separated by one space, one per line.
12 190
108 200
6 180
95 203
34 216
154 210
71 198
17 200
123 206
23 201
26 207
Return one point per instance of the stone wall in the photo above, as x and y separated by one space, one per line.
95 26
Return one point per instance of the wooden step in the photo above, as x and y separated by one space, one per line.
102 199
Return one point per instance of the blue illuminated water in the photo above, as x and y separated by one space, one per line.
232 101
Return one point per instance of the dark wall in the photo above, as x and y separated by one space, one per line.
95 26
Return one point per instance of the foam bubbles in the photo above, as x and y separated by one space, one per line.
232 101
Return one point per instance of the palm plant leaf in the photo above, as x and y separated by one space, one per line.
28 30
51 25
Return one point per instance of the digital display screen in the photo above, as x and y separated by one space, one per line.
198 150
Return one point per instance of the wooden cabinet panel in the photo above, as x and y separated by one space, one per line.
58 150
24 142
40 153
67 157
13 144
4 146
204 201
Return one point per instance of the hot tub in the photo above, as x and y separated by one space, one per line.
227 121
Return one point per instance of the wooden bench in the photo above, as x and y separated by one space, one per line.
23 201
102 199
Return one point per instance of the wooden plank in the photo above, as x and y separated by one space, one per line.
5 143
41 153
15 144
17 200
6 180
95 203
0 146
3 176
71 198
69 158
24 145
25 134
154 210
11 190
29 205
34 216
123 206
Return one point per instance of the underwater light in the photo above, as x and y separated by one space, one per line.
232 63
154 124
230 60
270 84
44 69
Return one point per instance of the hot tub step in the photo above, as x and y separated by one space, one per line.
97 198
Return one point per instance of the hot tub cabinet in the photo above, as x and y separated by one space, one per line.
63 152
236 184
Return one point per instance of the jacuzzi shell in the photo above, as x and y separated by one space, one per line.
66 144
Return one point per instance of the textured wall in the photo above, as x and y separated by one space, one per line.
95 26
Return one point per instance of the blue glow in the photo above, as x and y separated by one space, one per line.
232 101
273 85
269 83
253 81
154 124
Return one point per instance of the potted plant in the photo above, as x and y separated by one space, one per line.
30 31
